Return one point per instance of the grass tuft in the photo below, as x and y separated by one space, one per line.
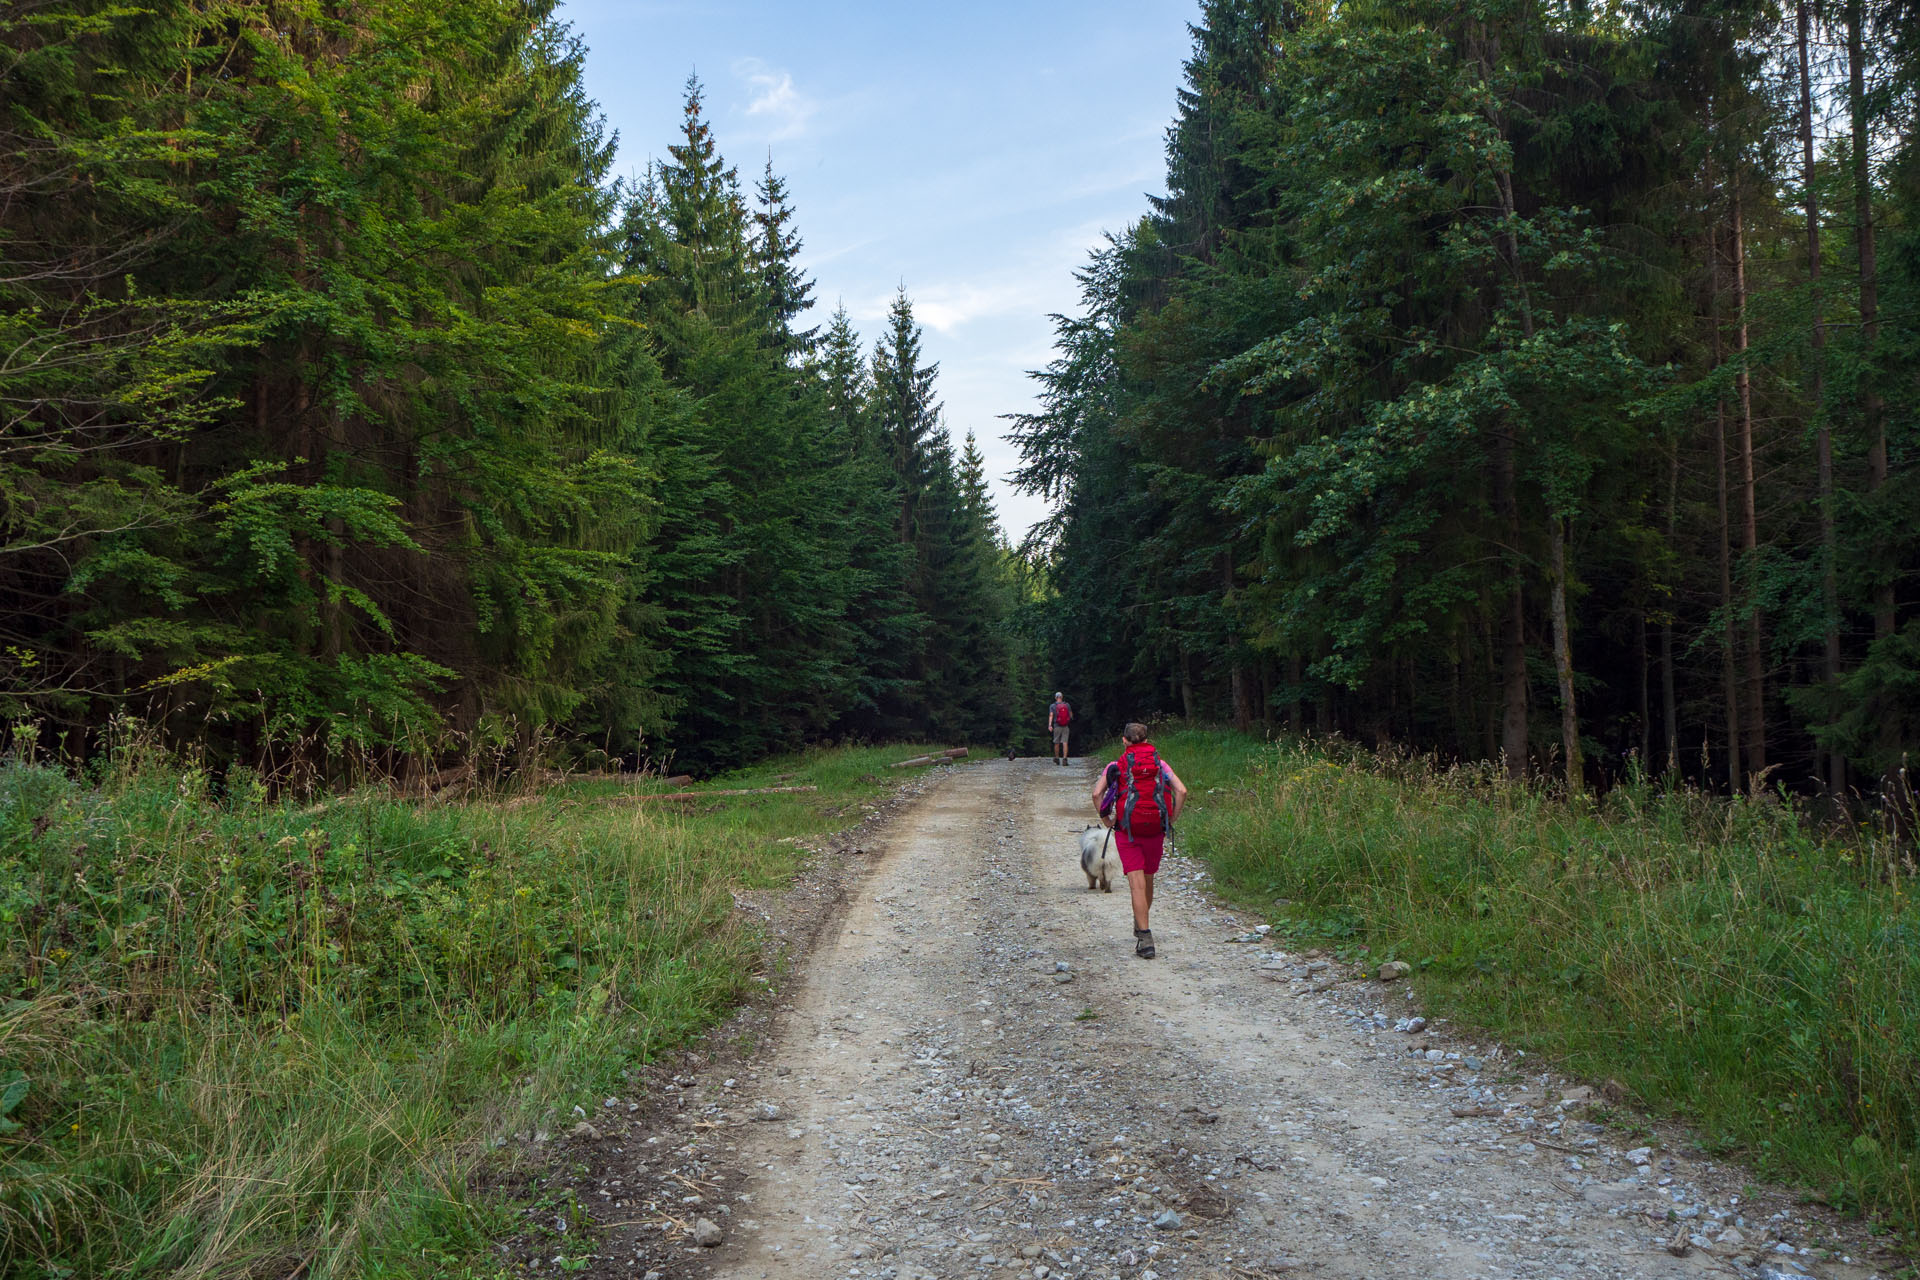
1720 959
246 1037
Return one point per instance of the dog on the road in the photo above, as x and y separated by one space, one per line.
1098 859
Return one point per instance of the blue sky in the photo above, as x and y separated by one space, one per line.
972 152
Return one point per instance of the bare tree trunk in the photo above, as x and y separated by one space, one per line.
1817 340
1730 643
1643 659
1872 406
1754 713
1563 657
1506 505
1513 629
1490 726
1457 704
1668 704
1236 673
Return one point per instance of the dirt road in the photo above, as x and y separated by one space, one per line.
976 1077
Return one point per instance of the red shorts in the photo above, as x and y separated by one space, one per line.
1139 855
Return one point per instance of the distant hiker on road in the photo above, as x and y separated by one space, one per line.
1140 797
1059 716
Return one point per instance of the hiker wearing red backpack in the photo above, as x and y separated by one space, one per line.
1140 797
1059 716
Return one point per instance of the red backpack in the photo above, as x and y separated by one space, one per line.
1142 809
1062 713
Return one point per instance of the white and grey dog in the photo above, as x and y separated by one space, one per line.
1099 859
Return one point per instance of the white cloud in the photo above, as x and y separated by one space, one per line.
784 109
946 307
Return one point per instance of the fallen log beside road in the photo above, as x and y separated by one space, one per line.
706 795
560 777
937 757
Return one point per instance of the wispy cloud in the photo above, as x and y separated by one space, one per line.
784 109
948 306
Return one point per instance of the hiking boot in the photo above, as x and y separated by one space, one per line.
1143 943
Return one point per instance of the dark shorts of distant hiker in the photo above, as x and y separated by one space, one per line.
1060 734
1139 855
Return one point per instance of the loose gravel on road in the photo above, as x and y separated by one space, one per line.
972 1076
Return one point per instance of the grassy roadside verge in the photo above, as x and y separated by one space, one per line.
240 1037
1713 957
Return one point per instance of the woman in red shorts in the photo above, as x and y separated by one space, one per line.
1140 797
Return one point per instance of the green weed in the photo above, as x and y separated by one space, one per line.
241 1037
1718 958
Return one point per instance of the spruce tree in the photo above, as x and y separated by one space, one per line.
396 488
753 575
886 624
906 416
776 247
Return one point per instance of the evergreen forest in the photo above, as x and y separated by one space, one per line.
1512 380
466 593
352 411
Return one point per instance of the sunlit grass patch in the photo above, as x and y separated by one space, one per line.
1720 959
240 1036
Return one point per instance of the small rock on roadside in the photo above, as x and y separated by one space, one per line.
1166 1220
585 1130
1394 970
1640 1155
705 1234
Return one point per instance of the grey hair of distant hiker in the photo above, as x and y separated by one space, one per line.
1058 694
1134 732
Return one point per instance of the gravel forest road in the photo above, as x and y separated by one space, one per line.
976 1077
